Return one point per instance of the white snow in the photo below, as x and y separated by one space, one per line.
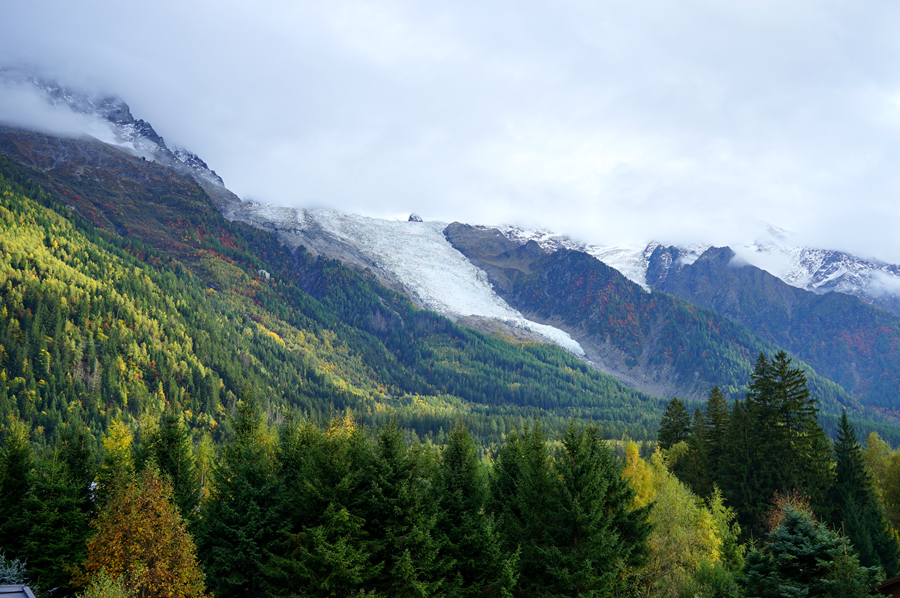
438 276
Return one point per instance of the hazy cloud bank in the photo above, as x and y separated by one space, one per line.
614 121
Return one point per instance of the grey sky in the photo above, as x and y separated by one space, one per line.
613 121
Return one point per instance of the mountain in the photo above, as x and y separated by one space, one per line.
428 321
124 290
819 271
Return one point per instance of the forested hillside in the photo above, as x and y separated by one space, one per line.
183 308
649 336
847 340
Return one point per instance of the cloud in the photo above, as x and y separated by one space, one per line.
613 121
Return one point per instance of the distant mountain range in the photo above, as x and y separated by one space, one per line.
665 320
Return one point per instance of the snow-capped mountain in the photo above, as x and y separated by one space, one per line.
411 256
817 270
109 119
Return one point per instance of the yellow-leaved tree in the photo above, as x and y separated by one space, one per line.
142 540
686 533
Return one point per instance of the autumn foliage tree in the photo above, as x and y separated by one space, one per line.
141 538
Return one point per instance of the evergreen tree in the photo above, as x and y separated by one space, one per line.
169 449
596 534
804 558
57 520
323 499
402 516
470 545
240 521
675 425
715 428
856 508
572 516
775 443
17 464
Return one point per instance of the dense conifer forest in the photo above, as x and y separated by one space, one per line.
196 411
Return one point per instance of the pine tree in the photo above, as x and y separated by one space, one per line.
802 557
856 508
240 521
675 425
470 545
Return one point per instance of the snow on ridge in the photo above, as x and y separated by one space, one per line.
440 278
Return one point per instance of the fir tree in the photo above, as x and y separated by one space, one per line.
17 464
716 420
57 519
470 545
240 521
169 450
675 425
856 508
802 557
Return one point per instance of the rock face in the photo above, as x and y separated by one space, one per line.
124 132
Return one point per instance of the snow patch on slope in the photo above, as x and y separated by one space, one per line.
419 257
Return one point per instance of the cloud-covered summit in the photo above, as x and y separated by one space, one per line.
616 122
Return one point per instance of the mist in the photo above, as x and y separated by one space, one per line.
613 122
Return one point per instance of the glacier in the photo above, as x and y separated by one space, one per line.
415 255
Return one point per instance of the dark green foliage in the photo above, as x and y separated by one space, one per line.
324 497
402 516
569 514
240 521
56 515
774 443
675 425
17 463
169 450
804 558
857 510
716 421
473 562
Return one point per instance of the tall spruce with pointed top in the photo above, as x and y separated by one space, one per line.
571 514
401 517
716 418
240 520
470 545
169 449
856 508
675 425
774 443
17 464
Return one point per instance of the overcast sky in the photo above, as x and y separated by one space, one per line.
613 121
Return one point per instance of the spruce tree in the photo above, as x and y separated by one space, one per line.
856 508
57 519
802 557
470 545
17 464
169 449
596 535
716 420
675 425
402 516
240 521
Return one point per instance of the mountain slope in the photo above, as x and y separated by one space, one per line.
845 339
181 307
